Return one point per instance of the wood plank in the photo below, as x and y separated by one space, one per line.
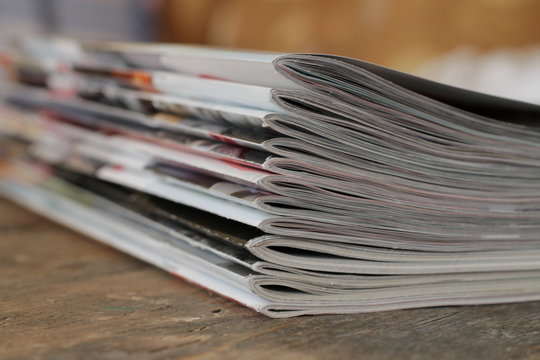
64 296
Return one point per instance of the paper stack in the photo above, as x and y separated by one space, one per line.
292 183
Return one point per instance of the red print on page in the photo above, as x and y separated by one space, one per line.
211 77
223 138
239 166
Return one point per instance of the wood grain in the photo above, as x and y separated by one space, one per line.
64 296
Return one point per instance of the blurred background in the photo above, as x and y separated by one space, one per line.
448 40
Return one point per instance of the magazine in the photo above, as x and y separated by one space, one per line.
311 183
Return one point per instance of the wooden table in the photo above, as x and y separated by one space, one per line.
64 296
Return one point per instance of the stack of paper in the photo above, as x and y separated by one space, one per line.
291 183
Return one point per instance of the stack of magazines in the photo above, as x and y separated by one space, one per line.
291 183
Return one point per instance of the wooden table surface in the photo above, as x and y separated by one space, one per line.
65 296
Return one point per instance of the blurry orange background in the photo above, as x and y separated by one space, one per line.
398 33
